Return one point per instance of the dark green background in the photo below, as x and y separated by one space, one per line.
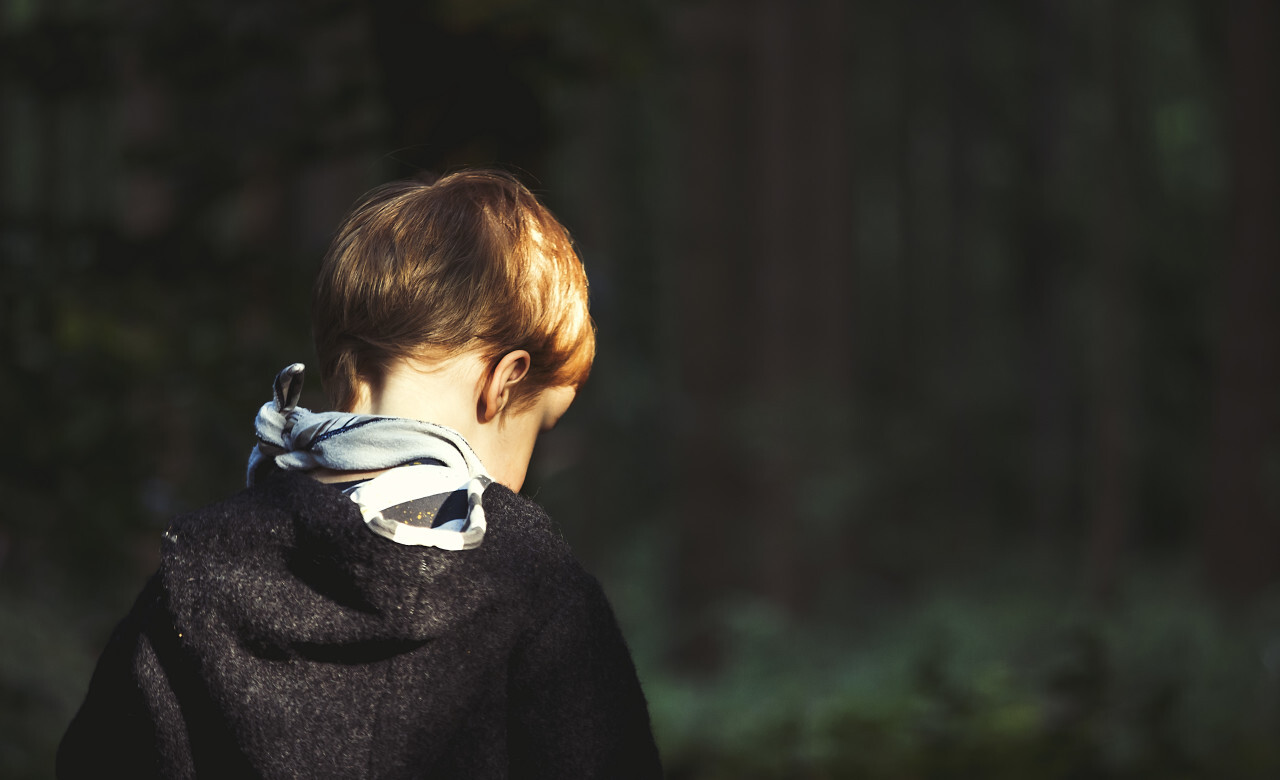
933 431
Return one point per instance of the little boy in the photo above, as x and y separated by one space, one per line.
380 602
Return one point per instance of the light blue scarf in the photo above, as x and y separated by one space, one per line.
424 459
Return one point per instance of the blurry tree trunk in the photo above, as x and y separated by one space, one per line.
1114 372
779 258
825 172
713 494
765 301
962 321
903 326
801 254
905 320
1045 279
1242 527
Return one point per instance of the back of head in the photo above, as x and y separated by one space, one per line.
472 262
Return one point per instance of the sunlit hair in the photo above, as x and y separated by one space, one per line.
472 262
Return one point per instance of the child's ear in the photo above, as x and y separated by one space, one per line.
495 393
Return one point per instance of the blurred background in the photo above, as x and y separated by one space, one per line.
933 431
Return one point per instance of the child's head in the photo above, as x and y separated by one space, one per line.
471 263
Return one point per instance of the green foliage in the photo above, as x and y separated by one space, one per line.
1013 683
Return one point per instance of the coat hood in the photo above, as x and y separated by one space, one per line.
290 568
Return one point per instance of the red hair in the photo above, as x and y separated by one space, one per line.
471 262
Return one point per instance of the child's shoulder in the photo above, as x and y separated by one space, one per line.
524 537
520 526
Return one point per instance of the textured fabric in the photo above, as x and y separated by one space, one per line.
296 439
279 639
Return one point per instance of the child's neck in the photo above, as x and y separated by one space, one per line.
448 392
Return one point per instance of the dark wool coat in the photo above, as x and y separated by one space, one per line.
281 638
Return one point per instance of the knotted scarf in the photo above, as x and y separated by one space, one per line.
424 459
